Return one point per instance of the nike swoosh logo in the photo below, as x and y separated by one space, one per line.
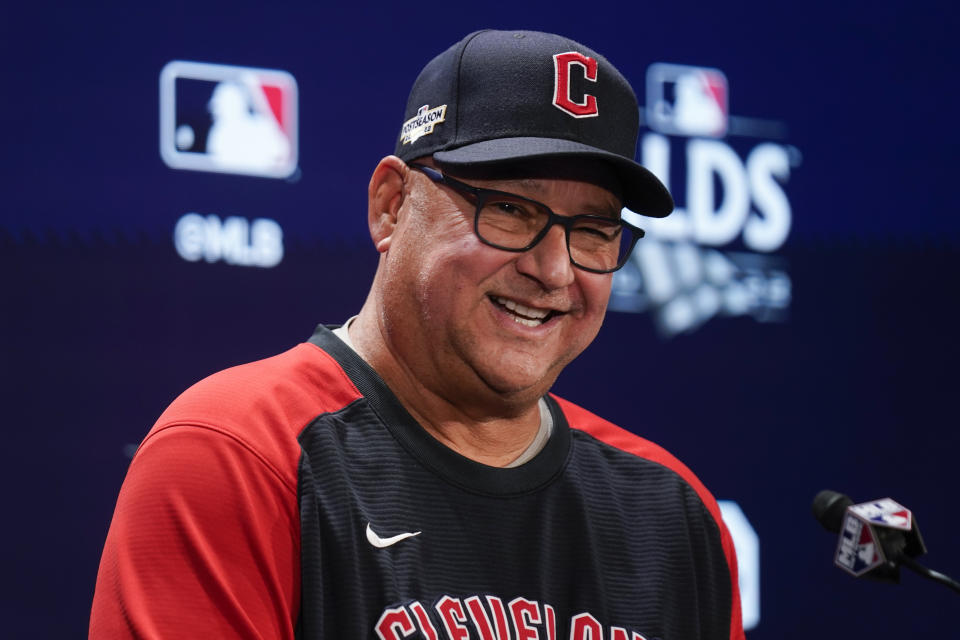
380 543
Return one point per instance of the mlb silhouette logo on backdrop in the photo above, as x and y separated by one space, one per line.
687 101
228 119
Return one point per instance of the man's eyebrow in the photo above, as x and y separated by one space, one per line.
609 207
611 210
532 184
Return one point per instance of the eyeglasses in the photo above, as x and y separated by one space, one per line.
596 243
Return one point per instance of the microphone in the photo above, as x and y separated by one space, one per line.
876 538
829 507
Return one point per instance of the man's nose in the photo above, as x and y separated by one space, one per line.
549 261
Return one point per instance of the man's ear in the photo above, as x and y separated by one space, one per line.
384 198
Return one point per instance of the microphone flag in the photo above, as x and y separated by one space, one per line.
874 536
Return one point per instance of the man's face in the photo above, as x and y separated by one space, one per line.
467 318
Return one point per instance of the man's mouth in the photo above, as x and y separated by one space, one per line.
522 314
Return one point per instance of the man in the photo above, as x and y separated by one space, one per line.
408 475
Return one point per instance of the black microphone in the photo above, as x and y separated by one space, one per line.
876 538
829 507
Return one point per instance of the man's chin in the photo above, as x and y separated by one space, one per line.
519 386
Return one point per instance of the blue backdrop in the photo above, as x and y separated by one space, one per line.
825 359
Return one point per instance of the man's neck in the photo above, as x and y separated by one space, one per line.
474 430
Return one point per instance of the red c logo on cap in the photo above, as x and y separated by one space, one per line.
562 63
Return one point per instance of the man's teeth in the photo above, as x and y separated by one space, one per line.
527 316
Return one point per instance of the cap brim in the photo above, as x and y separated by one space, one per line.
643 193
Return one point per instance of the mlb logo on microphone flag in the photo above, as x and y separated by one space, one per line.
687 101
228 119
886 513
857 551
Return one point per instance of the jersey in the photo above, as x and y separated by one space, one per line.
295 497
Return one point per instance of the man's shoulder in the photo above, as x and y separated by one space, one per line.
609 434
603 434
615 436
279 395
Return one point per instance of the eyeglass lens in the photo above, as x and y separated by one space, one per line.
595 242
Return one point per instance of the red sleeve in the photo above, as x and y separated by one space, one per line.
580 418
204 543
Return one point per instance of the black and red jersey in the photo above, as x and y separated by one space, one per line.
295 497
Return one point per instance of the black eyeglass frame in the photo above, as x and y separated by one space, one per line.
483 195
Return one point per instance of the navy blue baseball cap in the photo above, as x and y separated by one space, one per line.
507 96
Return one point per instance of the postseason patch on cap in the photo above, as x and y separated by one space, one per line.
422 124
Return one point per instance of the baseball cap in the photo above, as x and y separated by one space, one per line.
507 96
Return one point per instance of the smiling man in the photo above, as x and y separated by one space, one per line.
408 474
476 334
